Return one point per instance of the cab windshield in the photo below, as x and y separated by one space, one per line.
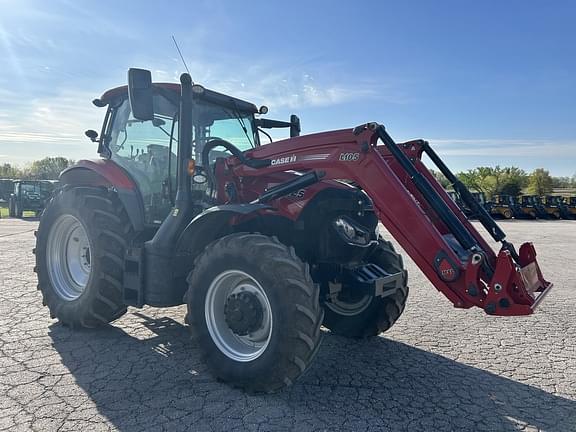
30 188
215 121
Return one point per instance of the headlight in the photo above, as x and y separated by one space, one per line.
351 231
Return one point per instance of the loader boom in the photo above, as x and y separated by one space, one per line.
417 211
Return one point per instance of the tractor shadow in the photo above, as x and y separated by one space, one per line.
147 374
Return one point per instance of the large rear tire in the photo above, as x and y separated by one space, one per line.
80 247
255 311
366 315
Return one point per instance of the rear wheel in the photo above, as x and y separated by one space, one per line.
507 213
255 311
81 241
362 315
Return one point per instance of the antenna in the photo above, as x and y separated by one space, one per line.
180 52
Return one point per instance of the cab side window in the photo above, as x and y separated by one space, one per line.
145 149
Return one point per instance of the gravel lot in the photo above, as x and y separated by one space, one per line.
439 368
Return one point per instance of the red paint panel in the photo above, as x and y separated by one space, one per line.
108 169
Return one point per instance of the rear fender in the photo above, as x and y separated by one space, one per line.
106 173
212 224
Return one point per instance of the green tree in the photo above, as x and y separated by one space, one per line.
495 180
48 168
481 179
9 171
512 181
561 182
540 182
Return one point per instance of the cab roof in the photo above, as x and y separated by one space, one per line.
207 95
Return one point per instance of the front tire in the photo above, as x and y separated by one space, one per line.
367 315
80 247
255 311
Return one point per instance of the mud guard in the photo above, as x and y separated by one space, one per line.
210 225
106 173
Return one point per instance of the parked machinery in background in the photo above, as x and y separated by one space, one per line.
570 203
555 207
6 188
30 196
530 207
504 206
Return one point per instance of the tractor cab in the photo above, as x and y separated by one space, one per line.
148 149
26 196
504 206
30 196
145 144
531 207
555 207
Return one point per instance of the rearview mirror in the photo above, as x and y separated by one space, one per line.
294 126
140 94
92 134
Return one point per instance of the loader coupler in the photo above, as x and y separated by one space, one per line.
516 289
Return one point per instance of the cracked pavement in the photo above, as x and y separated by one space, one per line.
438 368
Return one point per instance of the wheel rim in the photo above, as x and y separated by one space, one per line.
69 257
351 307
223 289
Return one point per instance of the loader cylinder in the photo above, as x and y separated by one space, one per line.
484 217
430 195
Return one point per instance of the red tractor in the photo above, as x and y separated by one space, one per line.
263 243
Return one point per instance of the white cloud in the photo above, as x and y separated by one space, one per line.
281 87
50 127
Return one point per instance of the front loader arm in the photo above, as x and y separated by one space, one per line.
420 215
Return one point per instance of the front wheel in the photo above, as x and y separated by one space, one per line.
355 314
255 311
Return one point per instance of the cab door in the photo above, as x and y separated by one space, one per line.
148 151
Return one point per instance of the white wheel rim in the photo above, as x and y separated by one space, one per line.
349 308
68 257
239 348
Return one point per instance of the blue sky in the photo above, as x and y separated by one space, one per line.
490 82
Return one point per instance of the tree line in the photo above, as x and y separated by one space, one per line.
48 168
509 181
489 180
